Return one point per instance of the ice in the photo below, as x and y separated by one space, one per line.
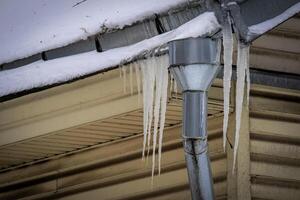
138 80
123 76
131 78
121 72
248 75
124 69
163 109
242 66
150 90
228 49
145 104
175 88
155 89
158 82
243 74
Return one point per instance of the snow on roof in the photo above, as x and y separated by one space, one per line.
267 25
43 73
30 27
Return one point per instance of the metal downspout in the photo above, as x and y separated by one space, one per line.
194 65
195 144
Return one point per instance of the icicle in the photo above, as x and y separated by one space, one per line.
242 65
171 83
158 93
151 74
155 89
131 78
148 90
138 80
124 78
145 102
120 72
228 49
248 75
175 88
163 109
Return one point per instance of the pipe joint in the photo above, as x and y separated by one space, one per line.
195 146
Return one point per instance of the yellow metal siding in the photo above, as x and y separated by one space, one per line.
99 132
275 145
116 171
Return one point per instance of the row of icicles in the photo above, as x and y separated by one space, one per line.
242 73
151 76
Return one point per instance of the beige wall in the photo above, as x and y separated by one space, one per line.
267 167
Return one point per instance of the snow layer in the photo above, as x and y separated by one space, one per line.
34 26
271 23
43 73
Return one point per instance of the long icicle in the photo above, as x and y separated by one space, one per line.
164 98
175 88
248 75
151 85
242 63
120 72
146 102
131 78
171 83
155 88
138 80
124 79
227 56
158 84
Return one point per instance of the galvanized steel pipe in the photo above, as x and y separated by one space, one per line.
195 145
194 64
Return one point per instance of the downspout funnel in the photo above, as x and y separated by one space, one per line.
194 63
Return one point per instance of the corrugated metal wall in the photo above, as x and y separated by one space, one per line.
274 169
130 179
275 144
268 162
268 169
116 171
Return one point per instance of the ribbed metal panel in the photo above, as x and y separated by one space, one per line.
95 133
131 179
116 175
275 145
278 50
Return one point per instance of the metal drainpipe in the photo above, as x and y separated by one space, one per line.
194 63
